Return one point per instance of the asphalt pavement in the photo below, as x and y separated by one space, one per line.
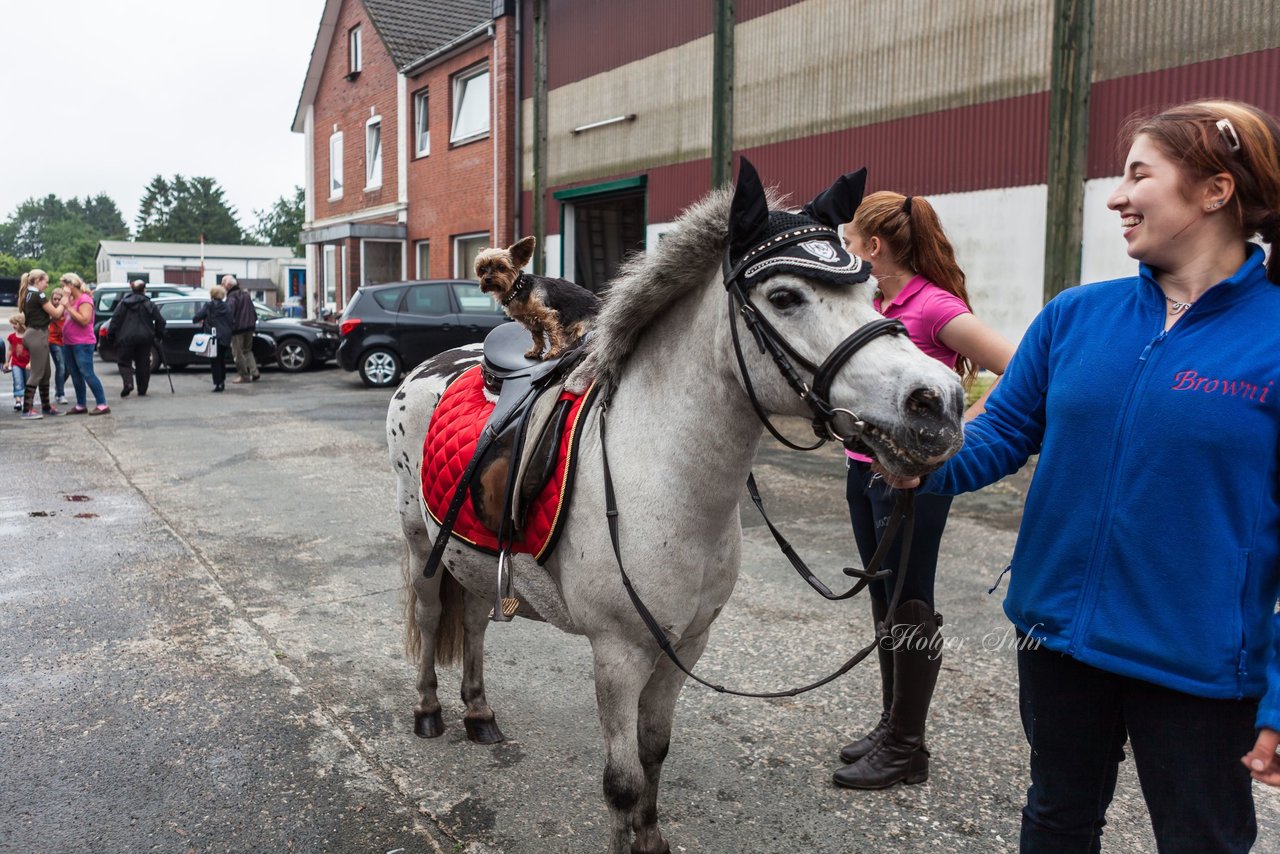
201 650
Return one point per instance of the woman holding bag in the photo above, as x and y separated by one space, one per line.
216 317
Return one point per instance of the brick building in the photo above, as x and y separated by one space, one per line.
407 109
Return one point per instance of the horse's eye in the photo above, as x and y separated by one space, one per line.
784 298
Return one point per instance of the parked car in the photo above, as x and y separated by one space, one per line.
300 344
9 290
179 328
106 296
386 328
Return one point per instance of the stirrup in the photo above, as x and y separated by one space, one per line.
854 572
504 606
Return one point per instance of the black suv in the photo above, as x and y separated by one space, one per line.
386 328
106 296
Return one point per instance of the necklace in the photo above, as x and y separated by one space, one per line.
1176 307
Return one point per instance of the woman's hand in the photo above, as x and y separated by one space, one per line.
1263 762
894 480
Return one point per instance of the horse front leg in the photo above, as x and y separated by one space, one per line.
657 711
621 671
481 726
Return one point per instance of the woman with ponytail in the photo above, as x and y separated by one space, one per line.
1147 570
919 283
39 311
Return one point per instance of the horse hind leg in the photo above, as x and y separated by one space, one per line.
657 712
482 727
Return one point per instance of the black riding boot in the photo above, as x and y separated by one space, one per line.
884 649
901 755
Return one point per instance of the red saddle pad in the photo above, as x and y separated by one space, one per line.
450 444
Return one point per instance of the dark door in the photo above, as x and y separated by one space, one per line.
427 323
606 231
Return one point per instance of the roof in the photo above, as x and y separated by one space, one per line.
192 250
410 29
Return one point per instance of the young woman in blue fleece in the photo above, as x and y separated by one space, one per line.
1147 567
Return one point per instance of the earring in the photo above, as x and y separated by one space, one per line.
1215 205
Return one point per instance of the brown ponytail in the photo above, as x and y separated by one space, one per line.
911 231
1247 147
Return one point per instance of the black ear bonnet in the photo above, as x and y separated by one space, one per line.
764 243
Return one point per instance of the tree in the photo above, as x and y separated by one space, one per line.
180 210
281 224
60 236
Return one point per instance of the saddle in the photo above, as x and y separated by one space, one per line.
495 473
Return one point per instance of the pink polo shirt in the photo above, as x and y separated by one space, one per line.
74 332
924 308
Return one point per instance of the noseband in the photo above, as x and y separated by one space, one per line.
769 340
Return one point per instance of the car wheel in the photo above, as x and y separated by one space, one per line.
379 368
155 360
293 354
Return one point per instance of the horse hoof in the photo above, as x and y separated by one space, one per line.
428 724
483 730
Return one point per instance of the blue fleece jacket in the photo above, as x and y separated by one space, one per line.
1150 541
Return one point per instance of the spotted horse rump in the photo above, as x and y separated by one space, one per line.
545 479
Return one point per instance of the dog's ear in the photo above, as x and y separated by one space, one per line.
836 205
749 213
522 250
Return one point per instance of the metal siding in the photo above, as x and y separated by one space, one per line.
1253 77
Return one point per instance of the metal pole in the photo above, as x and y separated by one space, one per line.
540 136
722 94
1069 79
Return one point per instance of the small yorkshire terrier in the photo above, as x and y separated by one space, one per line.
555 311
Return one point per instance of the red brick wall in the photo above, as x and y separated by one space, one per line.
347 104
452 189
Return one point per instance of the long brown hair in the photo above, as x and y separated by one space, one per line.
1246 146
914 237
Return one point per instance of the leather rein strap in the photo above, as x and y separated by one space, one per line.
903 512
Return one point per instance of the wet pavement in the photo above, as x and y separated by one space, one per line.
201 651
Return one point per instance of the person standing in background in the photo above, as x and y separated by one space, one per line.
57 352
78 339
38 310
136 327
215 317
244 320
16 360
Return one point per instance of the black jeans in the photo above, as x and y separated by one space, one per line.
870 506
1187 750
219 367
134 360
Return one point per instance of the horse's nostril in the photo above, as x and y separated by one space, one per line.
925 401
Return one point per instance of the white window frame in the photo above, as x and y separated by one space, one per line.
355 52
335 165
459 273
372 160
460 87
421 123
422 270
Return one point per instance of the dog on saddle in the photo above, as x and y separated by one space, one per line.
555 311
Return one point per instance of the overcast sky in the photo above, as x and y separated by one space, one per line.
100 97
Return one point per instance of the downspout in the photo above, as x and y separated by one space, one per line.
1070 75
493 129
540 135
517 187
722 94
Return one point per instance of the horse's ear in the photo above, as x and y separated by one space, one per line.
836 205
749 214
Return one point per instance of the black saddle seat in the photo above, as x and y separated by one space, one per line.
504 349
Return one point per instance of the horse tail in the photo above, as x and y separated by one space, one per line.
449 627
412 635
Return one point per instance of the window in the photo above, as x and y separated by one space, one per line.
335 166
355 58
422 251
470 105
430 299
475 301
184 310
465 249
422 129
388 298
146 277
373 153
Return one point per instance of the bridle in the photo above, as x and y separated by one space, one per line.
824 426
769 340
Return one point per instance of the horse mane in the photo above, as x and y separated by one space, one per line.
686 258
